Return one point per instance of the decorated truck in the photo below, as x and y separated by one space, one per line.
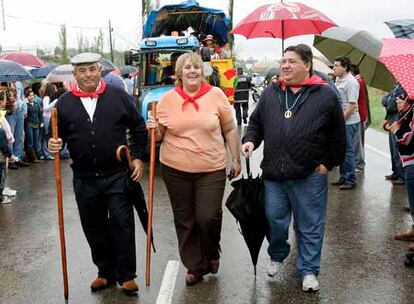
170 31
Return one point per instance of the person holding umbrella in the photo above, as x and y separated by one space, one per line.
193 120
301 123
92 119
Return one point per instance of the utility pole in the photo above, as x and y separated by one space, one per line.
2 11
110 40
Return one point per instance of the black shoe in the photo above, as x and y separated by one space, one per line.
13 166
22 163
347 187
339 182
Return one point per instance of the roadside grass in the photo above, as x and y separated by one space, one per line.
376 108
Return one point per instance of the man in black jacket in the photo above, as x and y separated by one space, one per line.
93 119
301 123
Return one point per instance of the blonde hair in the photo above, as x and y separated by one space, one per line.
195 60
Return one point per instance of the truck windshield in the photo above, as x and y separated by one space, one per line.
159 68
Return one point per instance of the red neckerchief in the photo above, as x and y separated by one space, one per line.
205 87
95 94
313 80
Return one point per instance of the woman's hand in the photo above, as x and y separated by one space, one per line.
402 104
247 149
152 123
235 169
394 127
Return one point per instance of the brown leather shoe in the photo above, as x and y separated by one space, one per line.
214 266
191 279
398 182
405 236
392 176
100 283
130 287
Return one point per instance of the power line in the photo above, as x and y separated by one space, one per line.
57 24
124 39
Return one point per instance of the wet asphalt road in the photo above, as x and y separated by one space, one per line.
361 263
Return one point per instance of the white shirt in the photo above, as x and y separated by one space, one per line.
90 103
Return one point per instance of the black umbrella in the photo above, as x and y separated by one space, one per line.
246 204
135 192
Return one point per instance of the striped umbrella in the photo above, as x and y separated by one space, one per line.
402 28
12 71
61 73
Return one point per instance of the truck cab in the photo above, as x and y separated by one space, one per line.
154 60
159 47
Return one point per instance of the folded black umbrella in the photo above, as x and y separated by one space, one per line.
246 204
135 193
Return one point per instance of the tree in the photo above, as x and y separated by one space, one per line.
63 44
146 8
231 36
98 43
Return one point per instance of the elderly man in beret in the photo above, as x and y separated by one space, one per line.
93 119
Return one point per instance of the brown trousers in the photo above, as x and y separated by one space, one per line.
196 200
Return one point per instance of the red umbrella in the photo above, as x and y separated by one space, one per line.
398 56
283 20
25 59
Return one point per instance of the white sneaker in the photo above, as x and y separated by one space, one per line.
273 268
9 192
5 200
310 283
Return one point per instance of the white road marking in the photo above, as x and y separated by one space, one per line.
168 283
375 150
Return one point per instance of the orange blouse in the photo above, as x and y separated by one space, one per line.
193 141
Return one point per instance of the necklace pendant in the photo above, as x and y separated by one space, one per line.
288 114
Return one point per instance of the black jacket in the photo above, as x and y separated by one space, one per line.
92 145
294 147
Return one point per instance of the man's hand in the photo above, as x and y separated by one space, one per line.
247 149
321 169
138 168
55 145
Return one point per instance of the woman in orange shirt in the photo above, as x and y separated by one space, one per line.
192 120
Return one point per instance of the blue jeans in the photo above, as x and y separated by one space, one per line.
396 164
16 122
409 185
44 138
306 199
33 142
359 142
347 169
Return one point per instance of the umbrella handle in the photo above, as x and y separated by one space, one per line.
127 153
248 165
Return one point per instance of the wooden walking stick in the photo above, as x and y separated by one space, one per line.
150 199
60 207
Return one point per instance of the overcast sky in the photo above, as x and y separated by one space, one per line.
31 24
